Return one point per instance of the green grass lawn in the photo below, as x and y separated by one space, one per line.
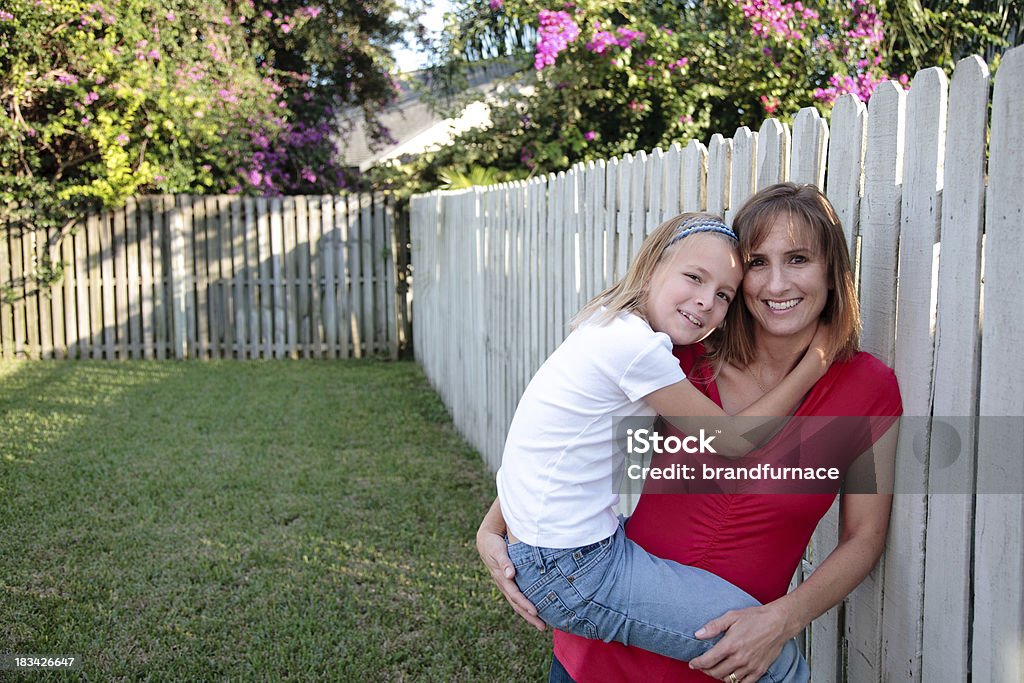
246 520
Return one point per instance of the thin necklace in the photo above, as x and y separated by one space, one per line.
756 380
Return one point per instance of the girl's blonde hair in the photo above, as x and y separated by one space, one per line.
810 212
630 293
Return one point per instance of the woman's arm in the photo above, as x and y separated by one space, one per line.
755 636
687 408
490 543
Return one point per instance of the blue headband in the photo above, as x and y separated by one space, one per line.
703 225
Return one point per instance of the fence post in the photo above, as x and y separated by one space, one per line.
178 283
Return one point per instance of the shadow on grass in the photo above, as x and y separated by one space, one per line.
255 520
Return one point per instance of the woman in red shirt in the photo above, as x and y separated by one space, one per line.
797 273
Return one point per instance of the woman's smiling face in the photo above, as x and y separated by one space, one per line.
786 284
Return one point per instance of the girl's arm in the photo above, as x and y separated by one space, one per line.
687 408
755 636
490 543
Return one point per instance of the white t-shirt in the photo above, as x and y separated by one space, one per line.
556 477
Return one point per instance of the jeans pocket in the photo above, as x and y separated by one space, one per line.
520 554
586 558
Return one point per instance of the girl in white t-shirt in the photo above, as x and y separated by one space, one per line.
555 484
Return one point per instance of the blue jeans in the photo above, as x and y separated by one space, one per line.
557 672
615 590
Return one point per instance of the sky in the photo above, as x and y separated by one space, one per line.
408 59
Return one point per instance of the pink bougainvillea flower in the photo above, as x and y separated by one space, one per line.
557 30
589 135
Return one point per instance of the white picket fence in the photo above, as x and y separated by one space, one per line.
500 270
212 277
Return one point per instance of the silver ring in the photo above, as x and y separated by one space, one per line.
732 679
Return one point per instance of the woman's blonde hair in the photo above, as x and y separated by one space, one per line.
629 294
810 211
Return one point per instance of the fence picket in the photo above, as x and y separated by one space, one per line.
298 212
366 256
328 255
810 145
315 276
719 174
947 595
19 293
65 318
147 213
226 278
355 235
43 298
252 278
380 257
880 216
919 214
742 178
107 277
134 303
6 308
695 177
239 308
998 559
94 257
277 276
844 183
772 153
180 282
609 228
672 184
624 207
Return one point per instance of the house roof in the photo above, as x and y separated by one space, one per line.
413 125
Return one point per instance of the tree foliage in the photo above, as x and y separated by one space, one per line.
606 77
103 99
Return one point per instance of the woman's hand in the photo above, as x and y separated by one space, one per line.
490 543
753 640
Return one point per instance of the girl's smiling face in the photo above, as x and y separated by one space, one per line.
786 285
691 288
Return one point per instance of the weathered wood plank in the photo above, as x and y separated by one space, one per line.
252 278
919 214
163 298
742 179
844 183
148 207
773 143
998 556
94 252
296 273
695 177
6 308
947 593
810 147
328 254
134 280
880 216
277 276
107 277
720 152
